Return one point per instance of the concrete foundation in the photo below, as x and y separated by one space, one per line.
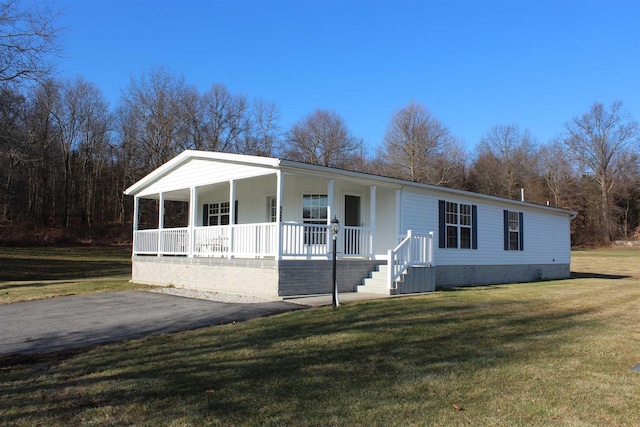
276 279
260 277
469 275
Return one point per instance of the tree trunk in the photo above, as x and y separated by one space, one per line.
604 211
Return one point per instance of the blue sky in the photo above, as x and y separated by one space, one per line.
474 64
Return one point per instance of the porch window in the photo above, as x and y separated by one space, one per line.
272 209
458 225
314 211
217 213
513 232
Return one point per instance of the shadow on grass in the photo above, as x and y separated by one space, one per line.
581 275
30 284
467 288
297 365
12 269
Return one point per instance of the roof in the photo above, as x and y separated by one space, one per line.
293 166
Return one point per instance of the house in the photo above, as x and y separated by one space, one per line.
260 226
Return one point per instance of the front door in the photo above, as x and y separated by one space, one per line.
351 219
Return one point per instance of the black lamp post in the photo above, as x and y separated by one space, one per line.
335 227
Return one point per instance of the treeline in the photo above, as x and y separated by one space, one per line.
66 156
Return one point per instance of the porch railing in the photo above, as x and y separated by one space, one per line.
304 240
211 241
168 241
414 250
254 240
145 242
357 241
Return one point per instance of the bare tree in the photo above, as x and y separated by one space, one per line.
28 41
192 133
154 110
12 149
81 119
558 174
506 160
43 155
417 147
627 193
321 138
597 141
262 137
225 119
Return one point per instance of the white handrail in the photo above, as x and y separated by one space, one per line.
414 250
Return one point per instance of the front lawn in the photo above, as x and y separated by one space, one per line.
36 273
550 353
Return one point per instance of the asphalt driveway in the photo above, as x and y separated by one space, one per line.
74 322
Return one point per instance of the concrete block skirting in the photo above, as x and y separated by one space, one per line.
469 275
260 277
276 279
417 280
309 277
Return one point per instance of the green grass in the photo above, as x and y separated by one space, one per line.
35 273
548 353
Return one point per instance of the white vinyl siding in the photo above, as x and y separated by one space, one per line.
547 236
198 172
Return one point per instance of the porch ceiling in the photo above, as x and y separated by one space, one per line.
176 195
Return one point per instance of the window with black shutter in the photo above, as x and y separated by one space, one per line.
458 225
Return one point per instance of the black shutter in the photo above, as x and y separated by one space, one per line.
521 232
235 213
442 236
474 227
205 215
506 230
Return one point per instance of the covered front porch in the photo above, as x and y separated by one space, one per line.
265 219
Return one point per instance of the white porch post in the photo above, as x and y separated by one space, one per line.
232 214
330 211
279 192
372 196
136 210
193 216
398 213
160 222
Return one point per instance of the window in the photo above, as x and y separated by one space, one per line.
218 213
314 211
465 226
314 208
458 225
513 233
272 209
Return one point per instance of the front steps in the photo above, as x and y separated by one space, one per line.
417 279
377 283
